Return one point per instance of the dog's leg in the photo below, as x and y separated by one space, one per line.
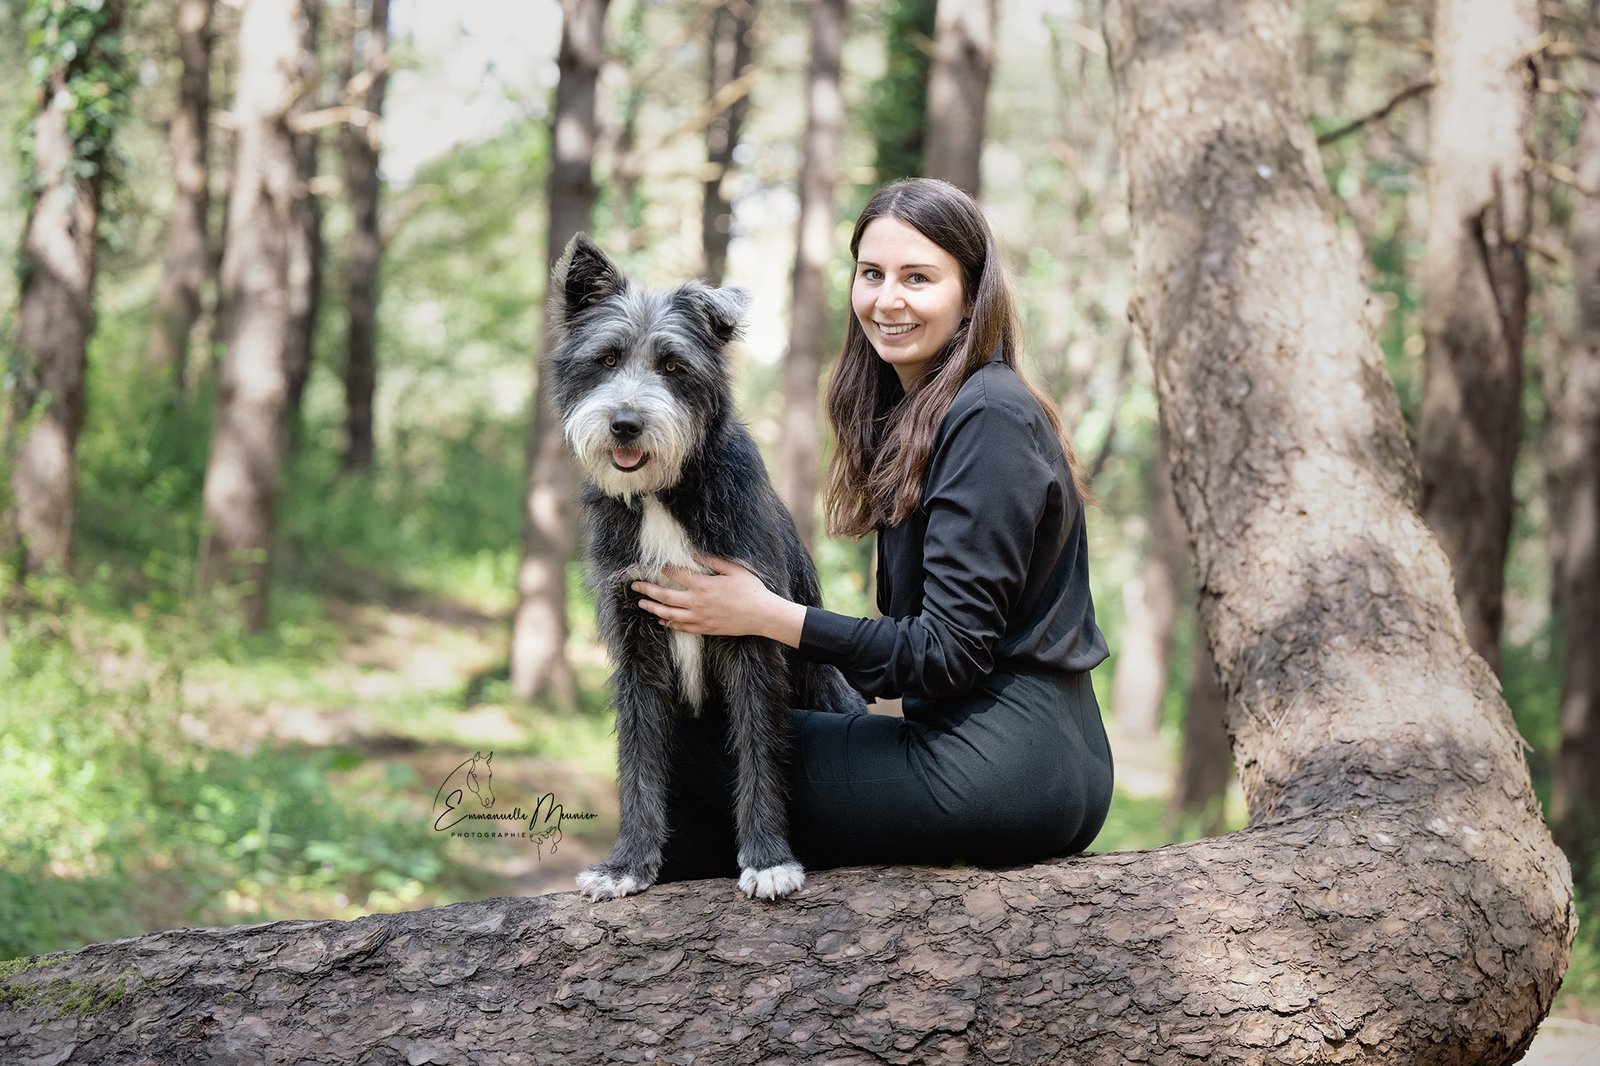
642 764
758 715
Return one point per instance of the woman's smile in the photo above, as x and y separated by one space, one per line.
907 295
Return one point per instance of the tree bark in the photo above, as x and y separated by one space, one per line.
249 438
1339 647
728 55
798 457
55 317
539 665
1475 294
361 146
958 91
1572 472
183 277
1151 601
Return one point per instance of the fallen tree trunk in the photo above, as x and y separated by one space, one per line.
1246 948
1397 897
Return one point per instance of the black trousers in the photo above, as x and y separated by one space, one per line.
1016 771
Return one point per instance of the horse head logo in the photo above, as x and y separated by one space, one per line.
476 772
478 775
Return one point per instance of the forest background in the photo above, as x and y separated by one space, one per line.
179 749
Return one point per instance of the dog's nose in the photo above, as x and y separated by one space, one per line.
626 424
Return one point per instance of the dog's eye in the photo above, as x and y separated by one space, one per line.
669 367
608 360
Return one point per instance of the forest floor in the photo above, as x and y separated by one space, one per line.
416 686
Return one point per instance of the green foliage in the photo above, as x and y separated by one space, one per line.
120 818
75 48
898 112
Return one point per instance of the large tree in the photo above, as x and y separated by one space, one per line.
1572 465
958 91
80 87
249 436
1396 897
539 664
1337 640
187 265
798 463
728 68
360 143
1475 295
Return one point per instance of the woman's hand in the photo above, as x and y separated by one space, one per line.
729 602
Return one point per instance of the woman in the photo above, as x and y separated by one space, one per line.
988 631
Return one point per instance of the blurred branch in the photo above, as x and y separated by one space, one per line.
1564 174
1410 91
720 101
342 115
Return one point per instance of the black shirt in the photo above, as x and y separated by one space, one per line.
990 572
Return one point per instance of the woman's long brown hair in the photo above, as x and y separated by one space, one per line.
884 436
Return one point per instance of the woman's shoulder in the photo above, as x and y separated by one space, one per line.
995 387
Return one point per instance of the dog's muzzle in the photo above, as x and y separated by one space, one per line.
626 425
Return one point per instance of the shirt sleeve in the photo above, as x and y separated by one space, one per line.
987 486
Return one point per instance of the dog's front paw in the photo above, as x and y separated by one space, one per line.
773 882
607 881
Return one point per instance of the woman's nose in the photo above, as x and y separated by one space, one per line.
889 295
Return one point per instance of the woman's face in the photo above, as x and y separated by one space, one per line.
907 295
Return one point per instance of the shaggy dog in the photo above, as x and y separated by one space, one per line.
640 380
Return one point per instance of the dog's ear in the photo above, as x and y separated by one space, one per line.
722 309
583 277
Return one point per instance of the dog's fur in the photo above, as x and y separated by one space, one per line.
640 380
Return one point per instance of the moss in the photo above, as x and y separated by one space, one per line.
9 968
63 996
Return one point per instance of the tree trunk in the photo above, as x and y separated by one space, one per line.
306 251
899 111
539 665
1572 445
728 52
1352 699
801 447
183 278
249 438
56 313
958 91
1475 293
1206 766
1151 602
361 145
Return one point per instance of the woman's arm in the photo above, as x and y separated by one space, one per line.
994 474
729 602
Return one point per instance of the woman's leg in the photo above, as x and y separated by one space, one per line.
1017 771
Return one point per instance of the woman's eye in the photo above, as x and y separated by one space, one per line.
872 275
918 278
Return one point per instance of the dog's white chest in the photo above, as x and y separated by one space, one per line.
664 542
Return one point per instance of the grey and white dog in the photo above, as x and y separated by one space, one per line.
640 380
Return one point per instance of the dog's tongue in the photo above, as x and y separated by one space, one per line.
627 458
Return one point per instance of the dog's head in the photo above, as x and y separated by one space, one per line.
639 378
